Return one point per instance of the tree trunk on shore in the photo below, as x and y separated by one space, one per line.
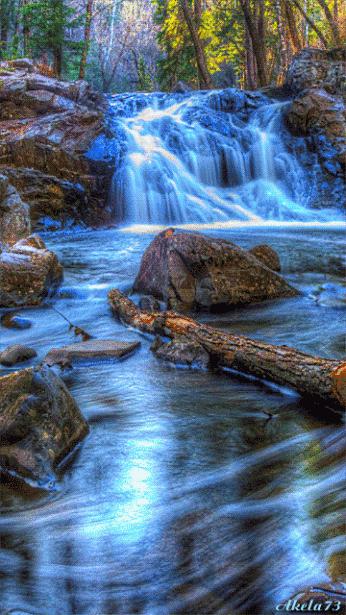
86 42
323 380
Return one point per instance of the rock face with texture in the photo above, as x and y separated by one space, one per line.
14 214
190 271
28 273
315 112
267 256
315 68
47 126
40 423
317 78
182 351
92 349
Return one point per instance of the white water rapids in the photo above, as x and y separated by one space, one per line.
187 162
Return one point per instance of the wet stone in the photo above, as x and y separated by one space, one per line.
16 354
92 349
10 320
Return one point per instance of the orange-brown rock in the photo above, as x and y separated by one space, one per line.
267 256
194 272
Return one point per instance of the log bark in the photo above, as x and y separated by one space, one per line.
322 380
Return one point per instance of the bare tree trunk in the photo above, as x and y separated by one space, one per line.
283 61
331 21
4 26
311 23
336 10
204 75
323 380
296 41
86 43
251 81
26 30
255 27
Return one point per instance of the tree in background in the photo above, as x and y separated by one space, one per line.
45 23
86 41
143 44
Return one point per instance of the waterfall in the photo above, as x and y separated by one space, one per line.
205 158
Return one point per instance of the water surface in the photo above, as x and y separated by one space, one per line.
186 497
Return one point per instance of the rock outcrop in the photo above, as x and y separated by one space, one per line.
317 79
29 273
14 214
40 423
47 126
318 68
190 271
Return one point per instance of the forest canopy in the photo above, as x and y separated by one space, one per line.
128 45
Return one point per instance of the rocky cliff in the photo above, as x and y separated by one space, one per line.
317 79
46 127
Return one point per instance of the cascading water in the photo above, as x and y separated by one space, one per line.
186 160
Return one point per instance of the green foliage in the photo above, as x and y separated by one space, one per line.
177 62
144 78
46 21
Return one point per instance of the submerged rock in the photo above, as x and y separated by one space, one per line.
10 320
29 273
16 354
40 423
92 349
190 271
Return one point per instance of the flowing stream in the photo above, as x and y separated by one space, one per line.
195 493
186 161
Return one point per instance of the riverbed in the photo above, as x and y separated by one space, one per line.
194 492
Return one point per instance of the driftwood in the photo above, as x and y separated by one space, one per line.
323 380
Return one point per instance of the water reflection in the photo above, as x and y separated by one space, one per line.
186 498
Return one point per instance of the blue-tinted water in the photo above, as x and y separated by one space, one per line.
184 498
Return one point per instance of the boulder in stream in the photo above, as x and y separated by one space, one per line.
17 353
40 423
29 273
192 271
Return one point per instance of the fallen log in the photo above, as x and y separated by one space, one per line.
323 380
